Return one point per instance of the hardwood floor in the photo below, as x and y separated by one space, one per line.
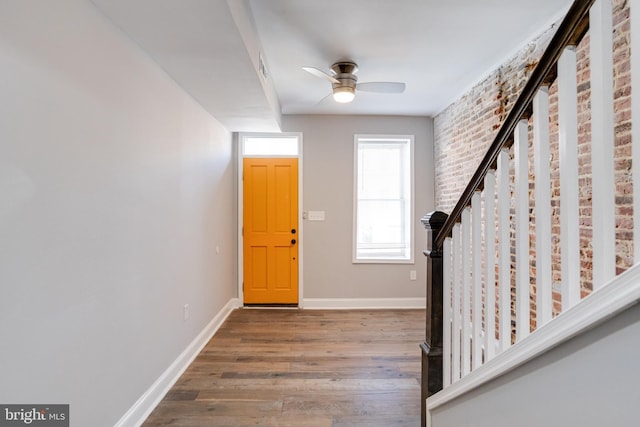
303 368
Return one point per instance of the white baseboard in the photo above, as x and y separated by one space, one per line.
140 410
363 303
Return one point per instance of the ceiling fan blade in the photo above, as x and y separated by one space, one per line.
324 100
319 73
381 87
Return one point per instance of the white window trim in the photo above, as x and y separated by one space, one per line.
354 258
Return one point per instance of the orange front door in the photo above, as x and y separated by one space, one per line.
270 231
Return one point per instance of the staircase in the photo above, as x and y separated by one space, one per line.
523 266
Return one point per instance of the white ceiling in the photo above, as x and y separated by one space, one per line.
438 48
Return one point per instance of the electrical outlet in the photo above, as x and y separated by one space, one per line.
412 275
185 312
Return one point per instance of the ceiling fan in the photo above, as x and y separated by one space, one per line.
344 81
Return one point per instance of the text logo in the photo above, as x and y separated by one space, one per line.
34 415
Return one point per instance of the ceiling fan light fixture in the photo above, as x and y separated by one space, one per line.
344 94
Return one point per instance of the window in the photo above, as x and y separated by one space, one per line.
270 145
383 211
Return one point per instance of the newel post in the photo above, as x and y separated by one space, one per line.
432 346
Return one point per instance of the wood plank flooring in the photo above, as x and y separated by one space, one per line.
303 368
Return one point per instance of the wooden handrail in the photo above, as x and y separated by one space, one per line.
572 29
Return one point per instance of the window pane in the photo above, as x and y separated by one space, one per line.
380 170
380 228
270 146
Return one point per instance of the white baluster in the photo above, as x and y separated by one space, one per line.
476 239
447 312
602 141
490 264
544 278
521 160
568 141
457 314
504 250
466 291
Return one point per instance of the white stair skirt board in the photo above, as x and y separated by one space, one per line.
363 303
612 298
140 410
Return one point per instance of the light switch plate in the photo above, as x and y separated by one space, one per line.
316 215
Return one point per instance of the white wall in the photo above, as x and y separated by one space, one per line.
328 156
115 189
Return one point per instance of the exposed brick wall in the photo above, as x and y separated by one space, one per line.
465 129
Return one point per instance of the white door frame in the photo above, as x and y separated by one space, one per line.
240 156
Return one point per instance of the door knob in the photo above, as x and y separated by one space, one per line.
293 241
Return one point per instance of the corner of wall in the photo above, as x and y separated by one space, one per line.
141 409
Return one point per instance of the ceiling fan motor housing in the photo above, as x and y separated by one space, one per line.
344 67
345 72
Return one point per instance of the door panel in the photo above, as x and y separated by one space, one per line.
270 215
258 256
